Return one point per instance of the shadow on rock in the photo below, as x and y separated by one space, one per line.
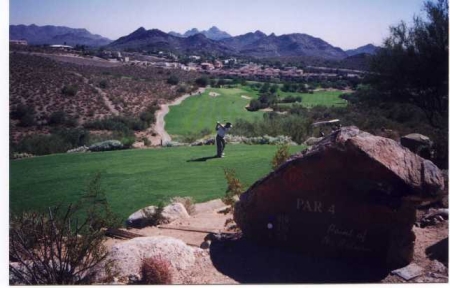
248 262
202 159
439 251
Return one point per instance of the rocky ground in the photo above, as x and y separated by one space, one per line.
230 261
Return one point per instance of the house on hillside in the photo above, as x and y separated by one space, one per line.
218 64
207 66
61 47
18 42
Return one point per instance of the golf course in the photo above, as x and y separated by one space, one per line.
136 178
200 112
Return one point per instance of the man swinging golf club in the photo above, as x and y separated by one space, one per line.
220 142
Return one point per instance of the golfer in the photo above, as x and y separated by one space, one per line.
220 142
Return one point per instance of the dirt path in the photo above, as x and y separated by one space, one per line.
108 102
164 109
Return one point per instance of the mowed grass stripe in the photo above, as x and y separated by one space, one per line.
133 179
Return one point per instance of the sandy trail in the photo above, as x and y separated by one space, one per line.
108 102
162 112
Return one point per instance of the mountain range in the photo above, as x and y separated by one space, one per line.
55 35
211 41
213 33
254 44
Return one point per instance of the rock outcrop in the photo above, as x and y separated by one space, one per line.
170 213
353 195
127 256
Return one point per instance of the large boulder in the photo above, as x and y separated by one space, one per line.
145 216
417 143
127 256
353 195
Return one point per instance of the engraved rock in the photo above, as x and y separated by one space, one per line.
353 195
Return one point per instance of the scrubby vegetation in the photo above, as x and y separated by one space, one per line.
60 92
280 156
62 246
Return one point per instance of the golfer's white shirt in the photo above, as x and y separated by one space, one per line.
222 131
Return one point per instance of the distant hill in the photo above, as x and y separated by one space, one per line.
213 33
255 44
55 35
155 39
367 49
260 45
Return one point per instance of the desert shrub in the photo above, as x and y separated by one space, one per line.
69 90
103 84
148 115
291 99
42 145
280 156
155 217
188 203
182 89
122 123
74 136
57 118
25 114
234 189
61 118
202 81
173 80
59 246
128 141
296 126
156 270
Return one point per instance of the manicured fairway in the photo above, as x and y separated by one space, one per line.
324 98
133 179
200 112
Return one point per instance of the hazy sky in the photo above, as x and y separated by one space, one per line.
343 23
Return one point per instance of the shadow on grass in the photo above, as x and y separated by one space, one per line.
251 263
203 159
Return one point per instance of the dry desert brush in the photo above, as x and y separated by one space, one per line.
61 246
234 189
281 156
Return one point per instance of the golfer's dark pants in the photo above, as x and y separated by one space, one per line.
220 143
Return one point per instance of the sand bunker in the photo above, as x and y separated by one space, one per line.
214 94
246 97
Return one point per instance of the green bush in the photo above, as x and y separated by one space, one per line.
25 115
69 90
43 145
173 80
202 81
103 84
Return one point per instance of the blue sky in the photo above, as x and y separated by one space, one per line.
344 23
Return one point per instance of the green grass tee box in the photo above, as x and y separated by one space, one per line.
133 179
